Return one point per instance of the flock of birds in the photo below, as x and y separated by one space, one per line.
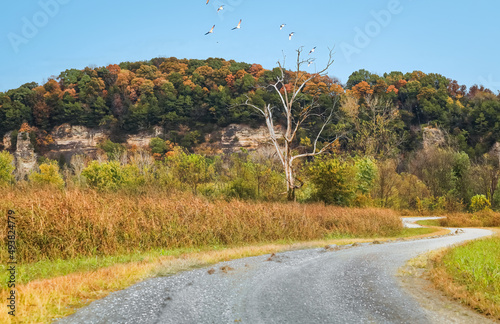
219 9
239 26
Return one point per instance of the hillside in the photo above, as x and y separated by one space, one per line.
189 99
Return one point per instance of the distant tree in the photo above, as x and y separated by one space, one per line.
359 76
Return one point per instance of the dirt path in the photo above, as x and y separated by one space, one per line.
354 284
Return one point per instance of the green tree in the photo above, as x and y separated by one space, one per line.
333 181
111 176
48 175
158 145
361 75
6 168
190 169
366 174
113 150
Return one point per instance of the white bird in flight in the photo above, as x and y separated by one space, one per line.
312 51
309 63
207 1
237 27
290 35
220 8
211 30
281 26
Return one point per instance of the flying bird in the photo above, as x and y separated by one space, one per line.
290 35
309 63
207 1
220 8
237 27
211 30
312 51
281 26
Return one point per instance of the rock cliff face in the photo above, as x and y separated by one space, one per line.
495 150
143 138
234 137
25 157
70 140
7 143
432 137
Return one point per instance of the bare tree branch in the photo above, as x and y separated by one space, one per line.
295 119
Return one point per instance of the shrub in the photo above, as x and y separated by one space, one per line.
190 169
479 202
240 188
6 168
158 146
111 175
48 175
113 150
333 181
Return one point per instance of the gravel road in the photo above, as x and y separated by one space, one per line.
354 284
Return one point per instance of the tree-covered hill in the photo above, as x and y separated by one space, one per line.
200 95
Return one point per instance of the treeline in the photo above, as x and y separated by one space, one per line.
379 115
434 180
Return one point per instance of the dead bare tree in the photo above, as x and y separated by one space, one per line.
296 111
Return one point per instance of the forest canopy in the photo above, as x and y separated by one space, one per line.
203 95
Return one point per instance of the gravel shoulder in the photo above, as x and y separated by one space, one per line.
352 284
438 305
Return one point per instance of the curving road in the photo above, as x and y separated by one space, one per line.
354 284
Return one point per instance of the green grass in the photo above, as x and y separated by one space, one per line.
407 232
476 266
50 269
429 222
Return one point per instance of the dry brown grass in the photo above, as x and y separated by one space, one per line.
485 218
55 224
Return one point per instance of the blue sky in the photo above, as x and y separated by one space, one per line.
458 39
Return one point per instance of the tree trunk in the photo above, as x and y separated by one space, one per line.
290 180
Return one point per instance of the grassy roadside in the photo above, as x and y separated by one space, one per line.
471 274
429 222
57 289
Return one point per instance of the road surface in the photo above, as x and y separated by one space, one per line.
354 284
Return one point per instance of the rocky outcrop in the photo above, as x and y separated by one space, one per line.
432 137
143 138
25 157
70 140
495 150
235 136
7 141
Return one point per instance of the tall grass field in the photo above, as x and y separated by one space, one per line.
55 224
484 218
